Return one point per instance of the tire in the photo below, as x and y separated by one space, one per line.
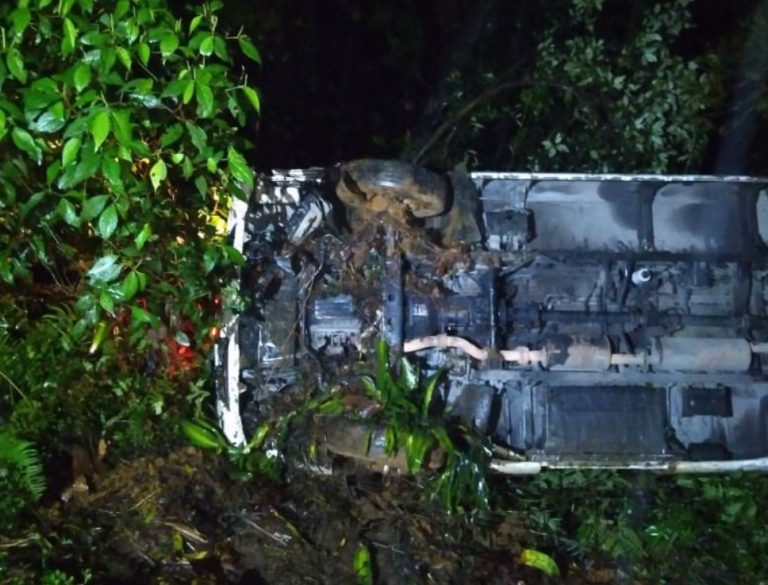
380 184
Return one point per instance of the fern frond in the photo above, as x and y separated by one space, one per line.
63 319
22 457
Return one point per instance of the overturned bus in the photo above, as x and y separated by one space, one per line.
583 320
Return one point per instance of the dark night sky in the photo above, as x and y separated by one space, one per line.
344 79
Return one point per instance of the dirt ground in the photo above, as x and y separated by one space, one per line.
183 519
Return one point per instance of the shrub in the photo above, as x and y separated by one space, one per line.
120 155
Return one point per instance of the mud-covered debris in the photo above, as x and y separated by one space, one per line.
365 444
378 186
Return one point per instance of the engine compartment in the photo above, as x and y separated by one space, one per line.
596 320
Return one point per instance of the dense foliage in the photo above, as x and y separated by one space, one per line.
685 529
599 94
120 155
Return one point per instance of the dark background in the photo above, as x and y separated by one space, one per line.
346 79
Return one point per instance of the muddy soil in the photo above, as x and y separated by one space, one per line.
183 519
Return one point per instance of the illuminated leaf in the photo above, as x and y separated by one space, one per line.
69 36
105 269
206 47
68 212
194 23
107 302
158 174
253 97
204 99
52 120
140 315
21 17
125 57
362 565
142 237
168 44
100 127
24 141
98 337
182 339
238 166
15 63
82 76
108 222
130 286
539 560
249 49
143 51
189 91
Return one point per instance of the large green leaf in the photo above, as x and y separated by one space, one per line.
168 44
82 76
194 23
205 99
158 173
73 175
249 49
220 49
104 270
130 286
100 126
21 17
121 9
52 120
92 206
70 151
189 92
15 63
141 315
141 238
253 98
42 94
24 141
108 222
110 168
206 47
107 302
69 37
68 212
362 565
539 560
144 53
238 166
121 127
65 6
124 56
409 375
198 136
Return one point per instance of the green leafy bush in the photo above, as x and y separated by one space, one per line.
691 529
21 477
120 156
604 90
406 402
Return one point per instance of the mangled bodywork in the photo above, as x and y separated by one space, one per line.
584 320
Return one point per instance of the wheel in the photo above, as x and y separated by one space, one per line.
378 185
